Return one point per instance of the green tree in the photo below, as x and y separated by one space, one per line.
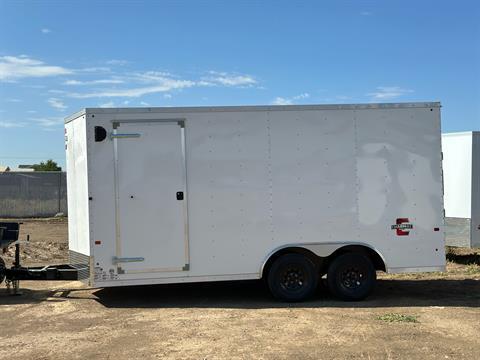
49 165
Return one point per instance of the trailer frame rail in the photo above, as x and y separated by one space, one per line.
17 272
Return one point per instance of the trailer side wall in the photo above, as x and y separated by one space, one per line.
258 180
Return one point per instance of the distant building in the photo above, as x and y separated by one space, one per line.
23 168
20 168
461 178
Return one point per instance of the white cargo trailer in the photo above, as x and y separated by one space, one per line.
461 172
285 193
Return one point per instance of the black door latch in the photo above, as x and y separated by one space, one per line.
179 195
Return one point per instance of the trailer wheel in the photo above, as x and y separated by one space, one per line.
2 270
351 276
292 277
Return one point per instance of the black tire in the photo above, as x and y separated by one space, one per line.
351 277
292 277
2 270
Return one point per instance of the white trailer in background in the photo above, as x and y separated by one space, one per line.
285 193
461 172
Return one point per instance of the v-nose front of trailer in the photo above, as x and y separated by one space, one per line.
77 193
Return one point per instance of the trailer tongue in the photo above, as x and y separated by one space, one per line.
9 232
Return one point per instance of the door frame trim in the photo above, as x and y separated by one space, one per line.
118 248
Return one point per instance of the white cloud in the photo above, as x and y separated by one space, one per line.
135 84
301 96
10 124
13 100
163 86
109 104
31 111
57 104
150 82
366 13
289 101
282 101
13 68
150 77
388 92
46 31
93 82
226 79
94 69
48 121
143 103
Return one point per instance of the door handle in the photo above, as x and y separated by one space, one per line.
123 136
117 260
179 195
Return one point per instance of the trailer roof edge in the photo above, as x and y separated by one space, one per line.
75 115
254 108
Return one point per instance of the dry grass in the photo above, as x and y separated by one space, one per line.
394 317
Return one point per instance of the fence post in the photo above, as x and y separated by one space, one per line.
59 191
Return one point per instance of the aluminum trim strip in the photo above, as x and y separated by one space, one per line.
397 270
185 198
118 249
255 108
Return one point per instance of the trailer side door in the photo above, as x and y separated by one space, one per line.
150 187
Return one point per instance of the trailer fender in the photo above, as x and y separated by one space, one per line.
321 250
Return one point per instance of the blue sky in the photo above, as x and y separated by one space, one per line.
57 57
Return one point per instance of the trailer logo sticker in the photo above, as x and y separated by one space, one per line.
402 226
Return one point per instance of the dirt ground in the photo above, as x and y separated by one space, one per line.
421 316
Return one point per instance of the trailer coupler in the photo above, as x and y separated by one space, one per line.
50 272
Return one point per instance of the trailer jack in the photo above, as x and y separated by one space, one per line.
13 275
